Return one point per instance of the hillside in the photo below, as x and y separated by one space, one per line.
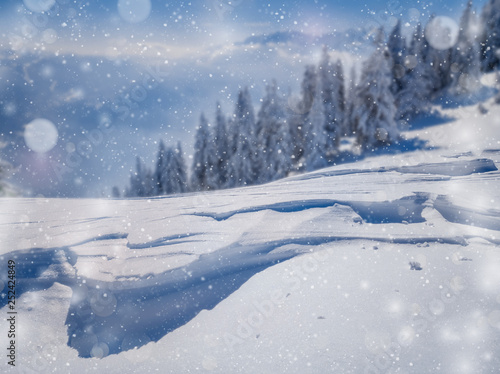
387 264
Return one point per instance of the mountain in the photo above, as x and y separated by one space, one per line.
386 264
352 40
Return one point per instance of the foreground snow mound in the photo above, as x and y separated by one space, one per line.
387 265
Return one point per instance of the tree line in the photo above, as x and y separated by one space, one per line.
397 82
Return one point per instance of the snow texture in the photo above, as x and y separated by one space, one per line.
389 264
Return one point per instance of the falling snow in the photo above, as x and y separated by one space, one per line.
245 186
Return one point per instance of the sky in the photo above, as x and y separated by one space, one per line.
91 27
149 68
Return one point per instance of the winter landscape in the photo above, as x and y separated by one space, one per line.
245 186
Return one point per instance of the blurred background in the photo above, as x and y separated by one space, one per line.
85 87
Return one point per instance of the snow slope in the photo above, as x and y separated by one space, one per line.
386 265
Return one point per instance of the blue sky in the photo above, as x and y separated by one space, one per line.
191 29
198 20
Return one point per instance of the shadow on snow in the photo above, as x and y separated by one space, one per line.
110 317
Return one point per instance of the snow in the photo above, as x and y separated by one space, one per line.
387 264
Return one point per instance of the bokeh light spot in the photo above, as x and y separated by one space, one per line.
41 135
39 6
442 32
134 11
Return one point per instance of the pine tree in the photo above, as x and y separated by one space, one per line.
166 173
274 137
160 169
341 89
396 46
279 155
414 97
221 150
297 114
348 127
167 179
331 81
231 172
149 183
202 150
115 192
180 169
213 172
465 55
374 110
142 181
316 145
418 83
308 86
440 61
175 175
265 126
421 51
490 38
136 180
242 168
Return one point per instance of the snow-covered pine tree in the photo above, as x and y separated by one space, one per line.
396 45
263 129
136 180
221 150
142 181
242 168
274 137
160 171
232 132
149 183
490 37
316 137
232 172
213 176
308 87
115 192
418 83
374 109
281 153
413 99
331 81
351 89
440 61
342 96
232 140
175 170
297 114
180 169
295 121
201 159
297 117
420 50
168 172
465 55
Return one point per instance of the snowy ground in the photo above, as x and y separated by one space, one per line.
387 265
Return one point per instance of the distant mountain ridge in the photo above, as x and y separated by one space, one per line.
349 40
